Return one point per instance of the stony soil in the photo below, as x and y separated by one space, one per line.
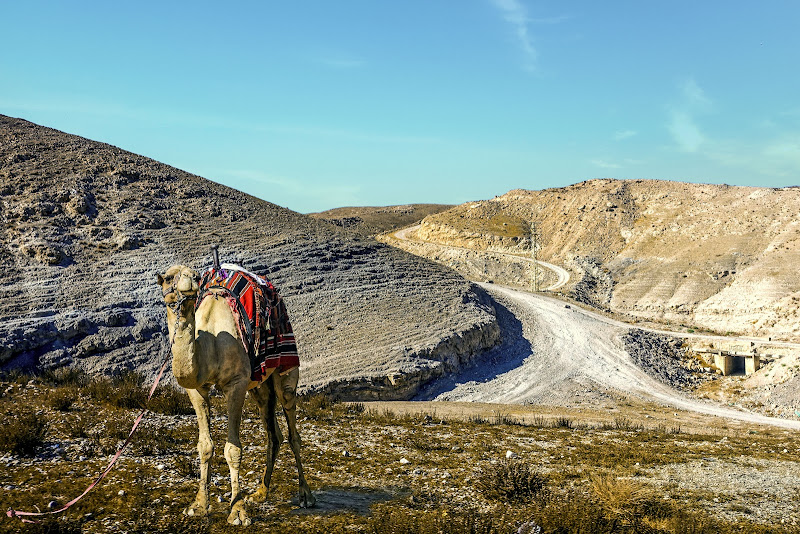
87 226
412 458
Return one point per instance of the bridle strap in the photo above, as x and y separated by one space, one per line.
177 305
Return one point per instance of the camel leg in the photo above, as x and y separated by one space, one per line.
266 401
286 390
205 448
235 396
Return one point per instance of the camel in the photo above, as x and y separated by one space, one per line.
206 351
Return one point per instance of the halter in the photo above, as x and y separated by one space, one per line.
178 304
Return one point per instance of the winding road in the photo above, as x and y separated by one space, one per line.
564 355
562 275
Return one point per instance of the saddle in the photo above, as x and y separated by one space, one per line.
261 317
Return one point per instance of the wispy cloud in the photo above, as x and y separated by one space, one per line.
605 164
784 153
624 134
290 191
685 132
694 94
682 123
517 16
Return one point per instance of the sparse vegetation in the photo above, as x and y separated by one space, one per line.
511 481
23 431
569 476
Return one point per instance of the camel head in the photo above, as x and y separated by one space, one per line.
179 285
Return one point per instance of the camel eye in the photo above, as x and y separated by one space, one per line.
169 278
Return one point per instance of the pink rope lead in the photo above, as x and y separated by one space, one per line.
19 514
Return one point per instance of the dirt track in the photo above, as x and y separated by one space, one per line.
562 275
562 355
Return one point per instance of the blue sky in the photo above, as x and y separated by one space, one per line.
320 104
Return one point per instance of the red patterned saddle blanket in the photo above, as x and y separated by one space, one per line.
261 317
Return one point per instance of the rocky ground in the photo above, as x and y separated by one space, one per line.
667 358
380 469
87 226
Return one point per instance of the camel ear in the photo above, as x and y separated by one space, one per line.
160 279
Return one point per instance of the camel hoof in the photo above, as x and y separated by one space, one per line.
307 499
196 509
258 497
238 517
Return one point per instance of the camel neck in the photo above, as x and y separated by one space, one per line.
184 357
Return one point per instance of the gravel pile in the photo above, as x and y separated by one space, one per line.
666 359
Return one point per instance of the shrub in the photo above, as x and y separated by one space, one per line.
66 376
440 521
356 408
622 498
22 433
623 423
153 442
170 400
316 406
123 391
62 399
512 481
562 422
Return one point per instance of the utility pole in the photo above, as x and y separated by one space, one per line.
534 249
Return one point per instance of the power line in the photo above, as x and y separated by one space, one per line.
534 254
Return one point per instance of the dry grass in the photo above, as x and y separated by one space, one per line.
23 431
511 481
455 478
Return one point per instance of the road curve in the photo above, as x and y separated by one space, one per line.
562 275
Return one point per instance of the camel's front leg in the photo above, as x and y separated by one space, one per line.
233 453
205 448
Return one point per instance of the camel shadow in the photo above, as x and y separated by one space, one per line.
508 355
352 499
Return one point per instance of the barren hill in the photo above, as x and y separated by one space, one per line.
86 227
713 256
373 220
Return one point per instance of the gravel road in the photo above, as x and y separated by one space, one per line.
562 275
564 355
559 354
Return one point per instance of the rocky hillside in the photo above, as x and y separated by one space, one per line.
86 227
714 256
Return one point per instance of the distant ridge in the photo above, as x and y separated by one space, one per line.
375 220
